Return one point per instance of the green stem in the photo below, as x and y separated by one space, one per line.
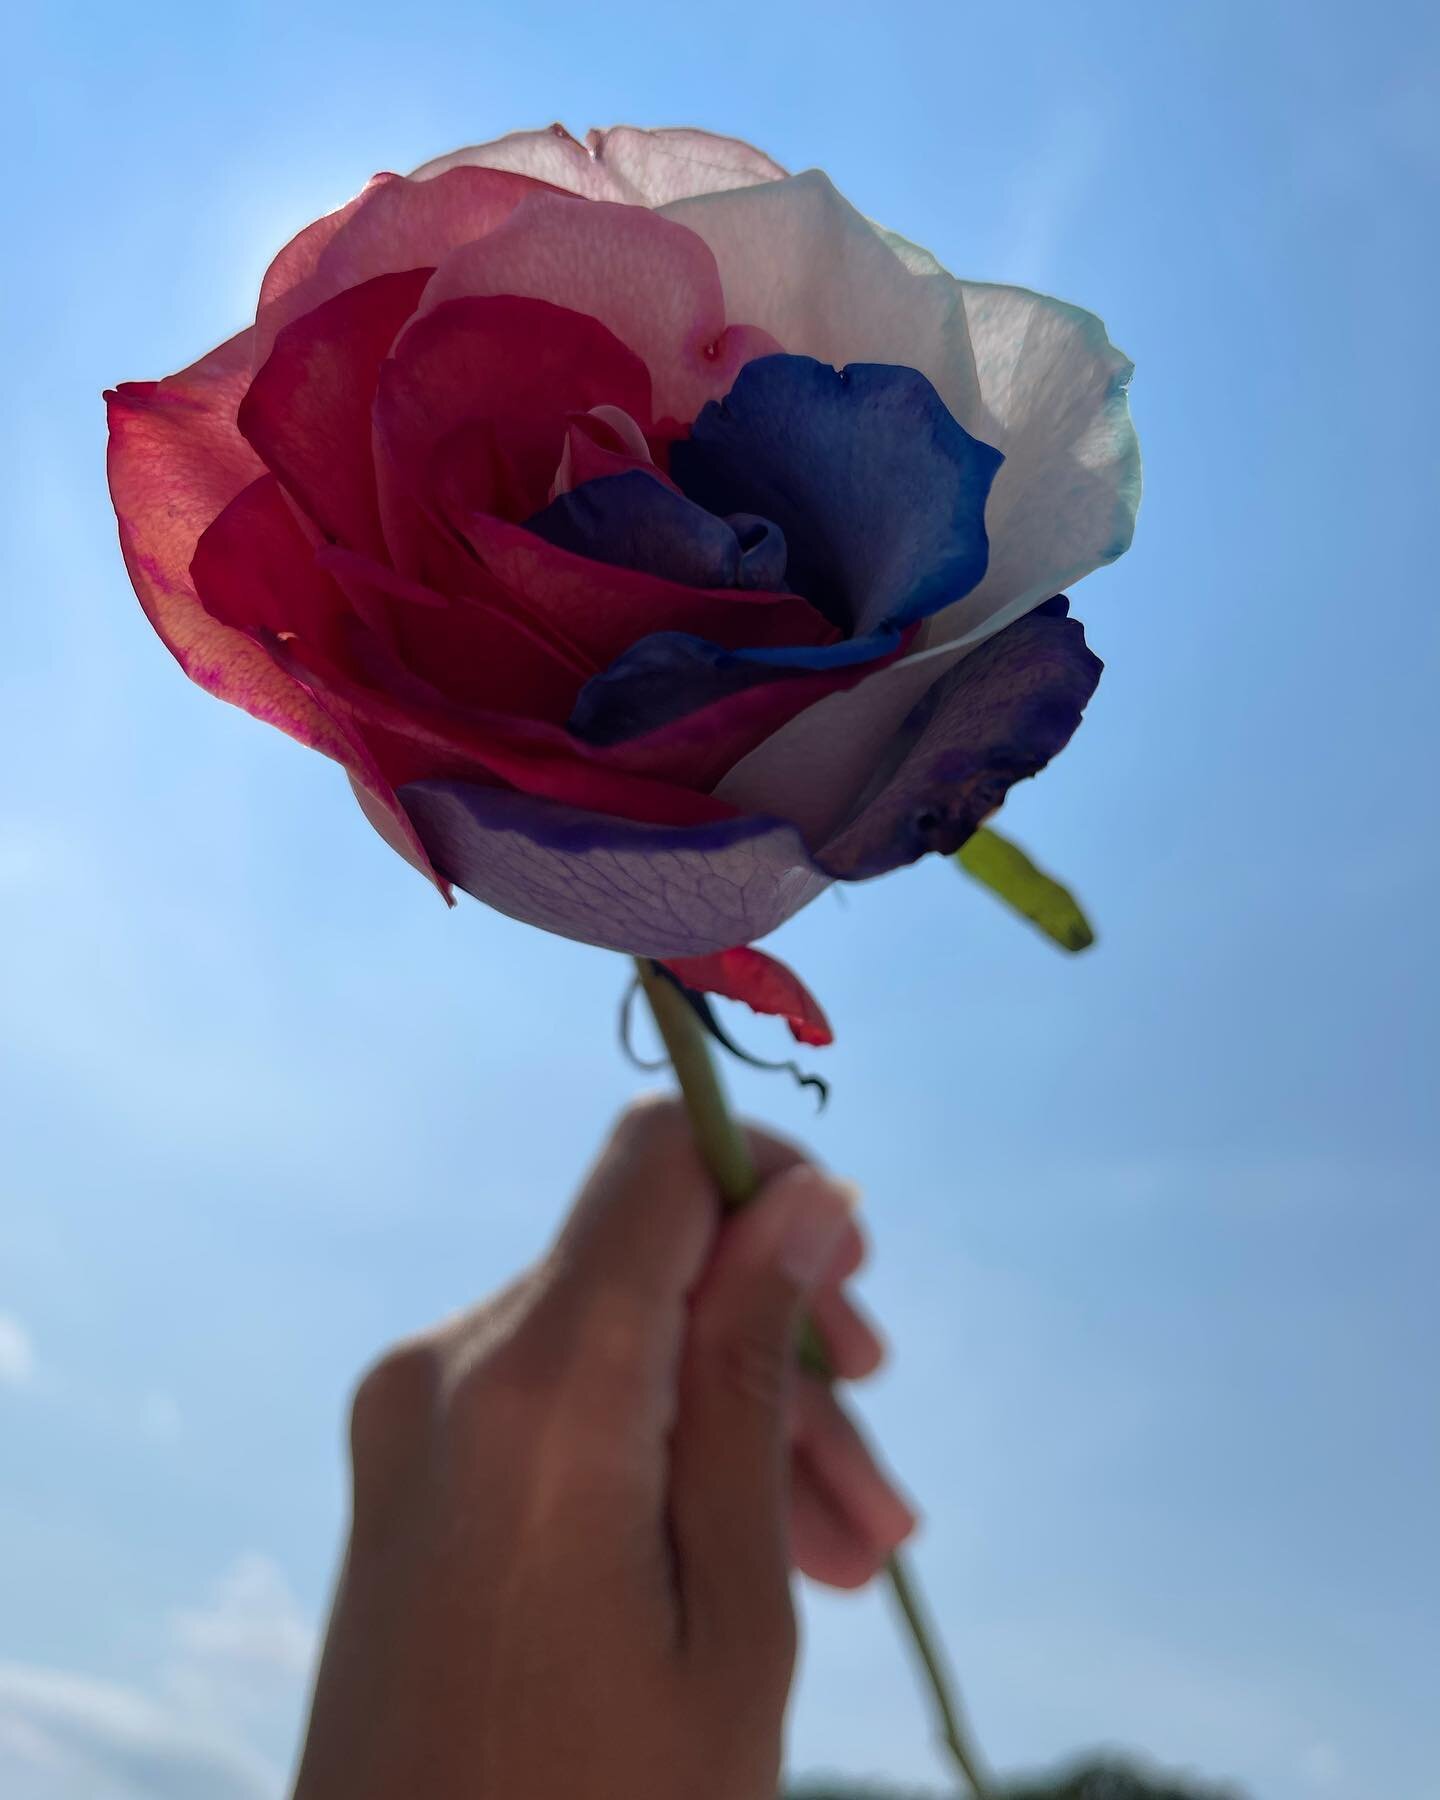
726 1154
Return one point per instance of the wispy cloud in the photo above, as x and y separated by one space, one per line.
247 1652
234 1677
17 1353
61 1734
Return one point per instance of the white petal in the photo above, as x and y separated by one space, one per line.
661 166
797 260
815 769
1053 389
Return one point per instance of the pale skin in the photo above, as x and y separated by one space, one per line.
577 1508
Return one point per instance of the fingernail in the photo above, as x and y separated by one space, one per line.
820 1208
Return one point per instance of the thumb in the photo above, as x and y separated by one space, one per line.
730 1447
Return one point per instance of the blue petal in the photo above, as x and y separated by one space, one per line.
879 492
634 521
671 673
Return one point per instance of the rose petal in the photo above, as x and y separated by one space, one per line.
670 677
704 743
665 165
1078 511
645 168
798 261
495 381
1055 394
307 412
413 738
467 650
395 224
633 520
648 280
879 492
762 983
176 461
603 610
603 441
640 889
254 570
995 719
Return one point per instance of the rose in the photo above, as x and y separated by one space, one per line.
651 538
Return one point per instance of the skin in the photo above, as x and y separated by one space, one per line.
577 1508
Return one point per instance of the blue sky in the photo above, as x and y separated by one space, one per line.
1156 1229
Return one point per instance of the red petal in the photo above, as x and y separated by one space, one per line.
254 570
307 414
473 406
474 652
413 741
603 610
176 461
763 983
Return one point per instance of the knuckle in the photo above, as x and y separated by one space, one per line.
392 1414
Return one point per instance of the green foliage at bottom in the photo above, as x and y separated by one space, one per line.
1100 1780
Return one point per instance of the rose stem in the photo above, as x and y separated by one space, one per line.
725 1153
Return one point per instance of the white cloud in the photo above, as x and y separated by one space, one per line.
234 1678
247 1654
61 1734
17 1353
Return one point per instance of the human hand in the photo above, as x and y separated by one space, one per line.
576 1507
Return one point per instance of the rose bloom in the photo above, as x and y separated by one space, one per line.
651 538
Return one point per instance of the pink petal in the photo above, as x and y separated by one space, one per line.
307 414
643 168
651 282
763 983
396 224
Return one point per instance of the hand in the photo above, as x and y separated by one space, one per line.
576 1507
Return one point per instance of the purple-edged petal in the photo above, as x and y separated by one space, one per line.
879 492
646 890
992 720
